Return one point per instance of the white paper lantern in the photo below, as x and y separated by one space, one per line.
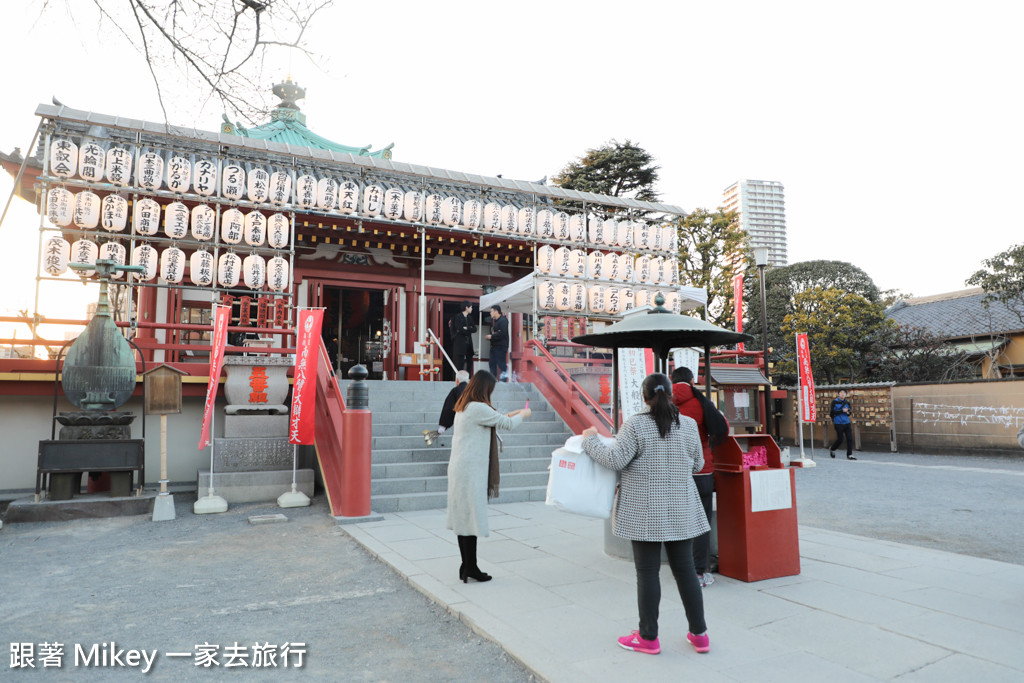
373 200
561 224
176 216
577 229
394 200
114 213
277 274
596 297
492 217
643 269
509 219
254 269
628 298
112 251
229 269
119 166
60 206
669 239
655 238
200 268
203 222
87 210
255 228
232 181
278 231
146 218
545 224
348 197
546 259
204 177
674 275
56 254
578 294
563 261
172 265
413 211
305 191
626 266
577 263
179 174
595 230
595 265
63 158
624 234
613 300
563 296
611 266
150 171
91 158
257 185
526 221
644 297
672 302
610 232
451 211
473 214
232 226
432 209
326 194
145 256
280 188
84 251
546 295
641 235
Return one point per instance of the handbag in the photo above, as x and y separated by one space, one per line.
579 485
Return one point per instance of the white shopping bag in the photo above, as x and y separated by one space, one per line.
579 485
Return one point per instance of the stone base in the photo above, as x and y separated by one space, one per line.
254 487
84 506
255 426
257 454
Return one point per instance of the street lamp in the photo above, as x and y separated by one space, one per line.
761 260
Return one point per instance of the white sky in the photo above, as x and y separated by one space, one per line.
896 127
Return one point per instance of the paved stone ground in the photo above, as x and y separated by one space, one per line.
217 579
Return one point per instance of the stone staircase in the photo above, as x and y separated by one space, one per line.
409 475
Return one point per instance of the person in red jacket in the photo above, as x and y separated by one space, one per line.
688 400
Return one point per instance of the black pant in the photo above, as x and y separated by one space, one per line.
498 361
462 355
702 544
843 431
647 559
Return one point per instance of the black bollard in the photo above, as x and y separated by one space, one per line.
357 396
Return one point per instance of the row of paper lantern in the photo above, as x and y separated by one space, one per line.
621 267
598 299
253 270
85 210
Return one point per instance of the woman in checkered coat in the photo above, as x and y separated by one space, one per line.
658 451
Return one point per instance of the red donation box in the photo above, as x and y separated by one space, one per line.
756 507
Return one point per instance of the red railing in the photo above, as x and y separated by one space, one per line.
330 410
566 396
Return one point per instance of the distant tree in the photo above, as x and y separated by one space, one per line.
1002 279
706 243
617 169
913 354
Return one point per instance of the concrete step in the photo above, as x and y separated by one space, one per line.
397 486
439 468
436 501
519 438
531 426
435 454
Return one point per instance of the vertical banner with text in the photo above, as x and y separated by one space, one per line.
221 318
302 421
808 409
634 366
737 298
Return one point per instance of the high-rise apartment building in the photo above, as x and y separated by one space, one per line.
761 205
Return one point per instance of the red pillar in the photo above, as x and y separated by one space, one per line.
515 330
357 440
146 336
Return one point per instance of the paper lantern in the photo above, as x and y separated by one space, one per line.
278 231
63 158
432 209
611 232
326 194
277 274
84 251
254 269
176 216
672 302
203 220
229 268
595 265
674 275
114 213
393 203
232 226
204 177
373 200
257 185
561 224
644 297
613 300
172 265
56 254
348 197
627 297
655 238
451 211
145 256
473 214
563 260
546 259
577 229
545 224
413 206
655 272
232 181
578 295
150 171
146 219
509 219
255 232
112 251
87 210
91 158
492 217
179 174
200 268
119 166
526 221
279 188
577 263
596 299
670 239
60 206
595 230
610 266
643 269
563 296
641 235
305 191
546 295
624 234
626 265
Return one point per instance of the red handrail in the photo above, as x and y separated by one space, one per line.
566 396
330 408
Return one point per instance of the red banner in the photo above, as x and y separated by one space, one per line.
307 344
808 409
221 318
737 298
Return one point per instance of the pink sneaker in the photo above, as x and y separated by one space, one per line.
700 643
637 644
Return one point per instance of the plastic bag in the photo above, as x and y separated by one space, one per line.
579 485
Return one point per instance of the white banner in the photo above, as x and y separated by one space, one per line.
634 366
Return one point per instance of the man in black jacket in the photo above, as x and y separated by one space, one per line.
498 337
462 330
447 419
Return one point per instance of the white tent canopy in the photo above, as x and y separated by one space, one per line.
518 297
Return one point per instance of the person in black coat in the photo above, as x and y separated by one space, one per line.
498 359
447 419
462 329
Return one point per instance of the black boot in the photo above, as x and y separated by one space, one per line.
472 570
464 552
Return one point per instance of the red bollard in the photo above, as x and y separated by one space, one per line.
357 440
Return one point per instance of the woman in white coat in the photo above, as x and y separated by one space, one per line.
468 481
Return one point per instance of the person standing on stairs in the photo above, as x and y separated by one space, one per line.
473 467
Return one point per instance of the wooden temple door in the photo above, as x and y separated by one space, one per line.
392 326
